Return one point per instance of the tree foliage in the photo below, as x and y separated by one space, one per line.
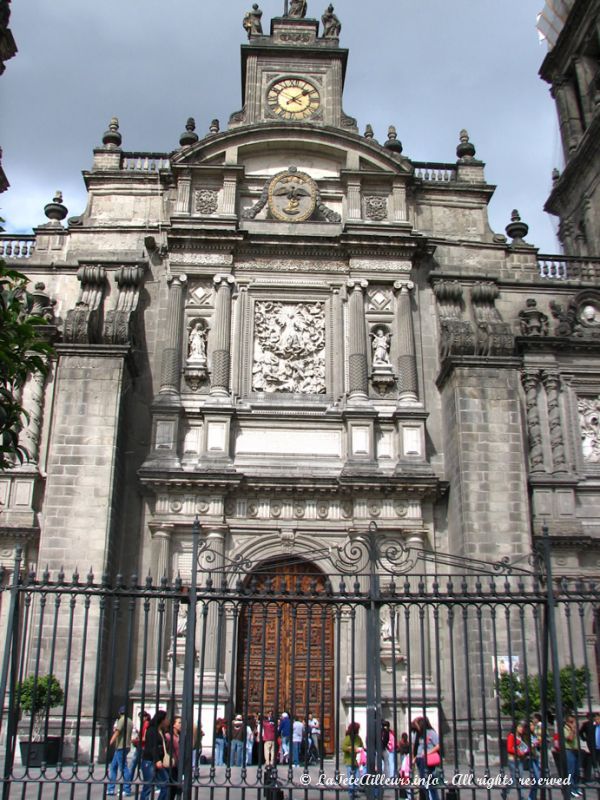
23 352
520 697
36 696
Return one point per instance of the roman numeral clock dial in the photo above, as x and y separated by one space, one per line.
293 98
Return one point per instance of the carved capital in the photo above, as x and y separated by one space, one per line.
404 286
224 281
359 284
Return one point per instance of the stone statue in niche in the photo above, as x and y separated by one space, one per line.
589 421
289 348
380 342
197 343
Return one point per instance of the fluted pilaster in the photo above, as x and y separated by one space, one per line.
407 360
160 567
357 341
171 363
221 352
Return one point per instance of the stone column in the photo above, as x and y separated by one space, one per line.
35 409
357 341
531 382
211 565
407 360
161 566
171 362
354 205
568 113
557 443
221 350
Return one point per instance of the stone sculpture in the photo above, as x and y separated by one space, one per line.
297 9
331 24
252 21
380 342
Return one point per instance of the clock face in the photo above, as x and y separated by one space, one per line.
293 98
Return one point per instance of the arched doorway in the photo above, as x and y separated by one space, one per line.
285 659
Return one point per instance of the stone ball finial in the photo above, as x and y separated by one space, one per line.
214 126
465 149
516 228
393 143
189 137
112 137
56 211
368 134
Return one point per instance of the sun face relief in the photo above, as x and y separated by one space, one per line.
293 98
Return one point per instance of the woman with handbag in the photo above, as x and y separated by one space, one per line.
156 760
517 750
426 754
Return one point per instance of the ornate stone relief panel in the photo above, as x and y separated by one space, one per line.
206 201
589 421
379 298
201 294
289 348
321 508
376 207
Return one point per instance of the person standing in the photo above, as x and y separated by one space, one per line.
315 736
154 757
351 746
268 737
297 736
121 740
220 741
517 751
238 741
587 746
172 740
426 752
285 730
535 744
572 754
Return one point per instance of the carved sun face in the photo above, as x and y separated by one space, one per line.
293 98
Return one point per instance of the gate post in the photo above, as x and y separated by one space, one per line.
551 641
187 704
10 662
373 738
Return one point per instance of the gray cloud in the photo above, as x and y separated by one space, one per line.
427 66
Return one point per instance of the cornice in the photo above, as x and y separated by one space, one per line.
586 152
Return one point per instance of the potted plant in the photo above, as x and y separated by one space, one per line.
36 697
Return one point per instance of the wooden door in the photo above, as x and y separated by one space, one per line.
285 651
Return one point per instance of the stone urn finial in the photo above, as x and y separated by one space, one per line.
368 134
112 138
189 136
466 148
516 229
214 127
393 143
56 211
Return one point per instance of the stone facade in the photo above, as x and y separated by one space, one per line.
291 331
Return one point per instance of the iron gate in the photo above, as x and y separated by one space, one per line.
362 634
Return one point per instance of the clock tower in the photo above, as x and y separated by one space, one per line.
295 74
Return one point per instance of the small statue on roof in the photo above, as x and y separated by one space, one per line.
297 9
331 24
252 21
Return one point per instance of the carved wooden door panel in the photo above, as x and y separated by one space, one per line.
285 653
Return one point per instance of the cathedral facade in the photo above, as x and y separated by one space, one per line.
291 331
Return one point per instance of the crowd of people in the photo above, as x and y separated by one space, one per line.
267 739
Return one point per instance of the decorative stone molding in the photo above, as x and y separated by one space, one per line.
84 322
376 207
493 336
552 384
289 348
206 201
119 322
532 321
581 317
589 423
531 383
456 334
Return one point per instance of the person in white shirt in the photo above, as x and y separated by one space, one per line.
297 734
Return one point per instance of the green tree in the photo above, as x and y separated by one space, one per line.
36 696
23 352
520 697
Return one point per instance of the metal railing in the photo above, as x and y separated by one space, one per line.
348 636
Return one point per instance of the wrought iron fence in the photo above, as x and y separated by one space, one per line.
362 635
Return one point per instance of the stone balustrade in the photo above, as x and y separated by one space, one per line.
12 246
434 172
568 268
145 162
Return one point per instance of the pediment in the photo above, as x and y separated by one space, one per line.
270 148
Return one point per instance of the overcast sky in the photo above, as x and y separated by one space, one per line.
430 67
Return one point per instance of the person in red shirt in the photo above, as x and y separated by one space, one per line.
268 737
517 750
